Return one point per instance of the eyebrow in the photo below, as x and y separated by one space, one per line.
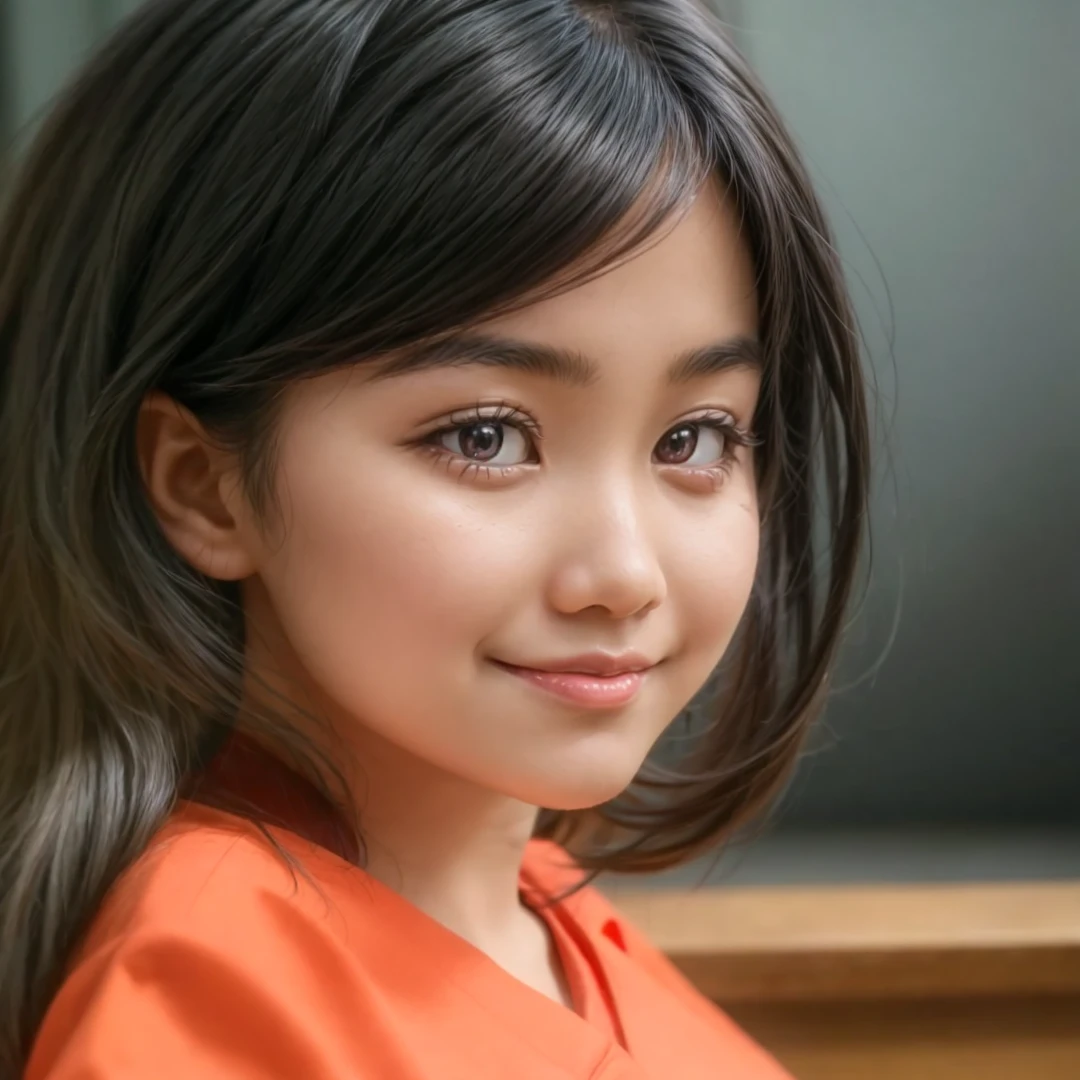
562 365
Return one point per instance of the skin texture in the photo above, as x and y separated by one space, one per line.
397 573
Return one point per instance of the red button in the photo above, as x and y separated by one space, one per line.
611 930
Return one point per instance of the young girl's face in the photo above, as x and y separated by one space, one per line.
519 567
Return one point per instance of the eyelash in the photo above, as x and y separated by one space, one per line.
501 413
735 438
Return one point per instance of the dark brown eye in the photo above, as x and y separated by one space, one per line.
481 442
700 445
678 445
493 442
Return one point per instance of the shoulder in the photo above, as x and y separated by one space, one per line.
210 876
215 947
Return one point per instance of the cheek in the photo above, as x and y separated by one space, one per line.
713 576
376 581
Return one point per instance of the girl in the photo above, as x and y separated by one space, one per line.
407 407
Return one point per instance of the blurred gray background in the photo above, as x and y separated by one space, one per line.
945 138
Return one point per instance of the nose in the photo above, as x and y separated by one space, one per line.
605 560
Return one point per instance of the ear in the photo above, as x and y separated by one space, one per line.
195 490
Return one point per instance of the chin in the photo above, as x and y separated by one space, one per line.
576 785
579 800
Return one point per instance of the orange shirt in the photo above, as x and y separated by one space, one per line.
213 960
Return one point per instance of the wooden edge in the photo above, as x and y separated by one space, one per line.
834 943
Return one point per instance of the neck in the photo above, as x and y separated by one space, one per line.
450 847
454 850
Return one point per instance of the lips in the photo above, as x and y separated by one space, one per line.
592 681
603 665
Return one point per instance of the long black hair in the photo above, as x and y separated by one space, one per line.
235 194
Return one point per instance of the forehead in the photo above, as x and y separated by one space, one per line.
691 284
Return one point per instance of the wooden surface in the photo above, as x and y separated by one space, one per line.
948 982
836 943
972 1039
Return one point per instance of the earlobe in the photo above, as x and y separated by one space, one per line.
194 490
